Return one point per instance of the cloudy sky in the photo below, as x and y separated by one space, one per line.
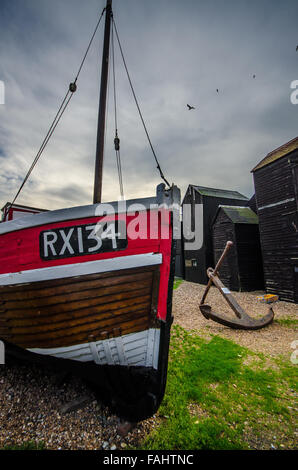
177 52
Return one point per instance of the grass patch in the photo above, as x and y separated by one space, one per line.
290 322
29 445
177 282
214 400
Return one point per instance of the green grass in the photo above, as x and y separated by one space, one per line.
177 283
29 445
222 396
287 322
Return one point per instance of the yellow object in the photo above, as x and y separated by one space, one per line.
268 298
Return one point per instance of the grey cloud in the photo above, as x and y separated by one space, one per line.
177 53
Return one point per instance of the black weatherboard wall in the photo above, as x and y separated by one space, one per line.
197 261
276 186
242 268
179 263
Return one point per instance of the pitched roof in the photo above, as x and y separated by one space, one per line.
219 192
239 215
278 153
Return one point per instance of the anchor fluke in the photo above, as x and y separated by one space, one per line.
243 320
248 324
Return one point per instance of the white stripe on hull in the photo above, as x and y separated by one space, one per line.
79 269
134 349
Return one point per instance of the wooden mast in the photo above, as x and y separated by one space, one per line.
102 107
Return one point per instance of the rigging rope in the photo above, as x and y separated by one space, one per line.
72 88
116 140
137 104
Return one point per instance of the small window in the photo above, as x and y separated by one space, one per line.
191 263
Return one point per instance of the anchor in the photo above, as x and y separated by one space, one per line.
243 320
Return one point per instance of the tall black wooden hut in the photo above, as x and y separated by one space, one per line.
179 263
197 261
276 186
252 203
242 269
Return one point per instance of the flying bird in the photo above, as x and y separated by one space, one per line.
296 48
217 90
190 107
253 76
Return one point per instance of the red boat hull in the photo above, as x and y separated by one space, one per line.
70 296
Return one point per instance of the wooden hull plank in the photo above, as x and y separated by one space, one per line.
71 318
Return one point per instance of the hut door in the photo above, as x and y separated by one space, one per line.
296 284
295 178
231 262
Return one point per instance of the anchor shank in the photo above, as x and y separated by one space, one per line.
225 292
244 321
219 263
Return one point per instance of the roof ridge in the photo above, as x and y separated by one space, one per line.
224 191
277 153
237 214
283 146
215 189
235 207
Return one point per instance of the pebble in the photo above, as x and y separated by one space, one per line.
24 415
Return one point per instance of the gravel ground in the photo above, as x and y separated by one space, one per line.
31 398
31 402
275 339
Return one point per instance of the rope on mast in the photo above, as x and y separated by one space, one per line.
138 107
71 89
116 140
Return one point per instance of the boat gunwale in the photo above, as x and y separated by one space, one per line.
75 213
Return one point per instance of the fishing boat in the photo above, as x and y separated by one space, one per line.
88 289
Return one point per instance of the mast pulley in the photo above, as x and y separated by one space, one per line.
117 142
73 87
